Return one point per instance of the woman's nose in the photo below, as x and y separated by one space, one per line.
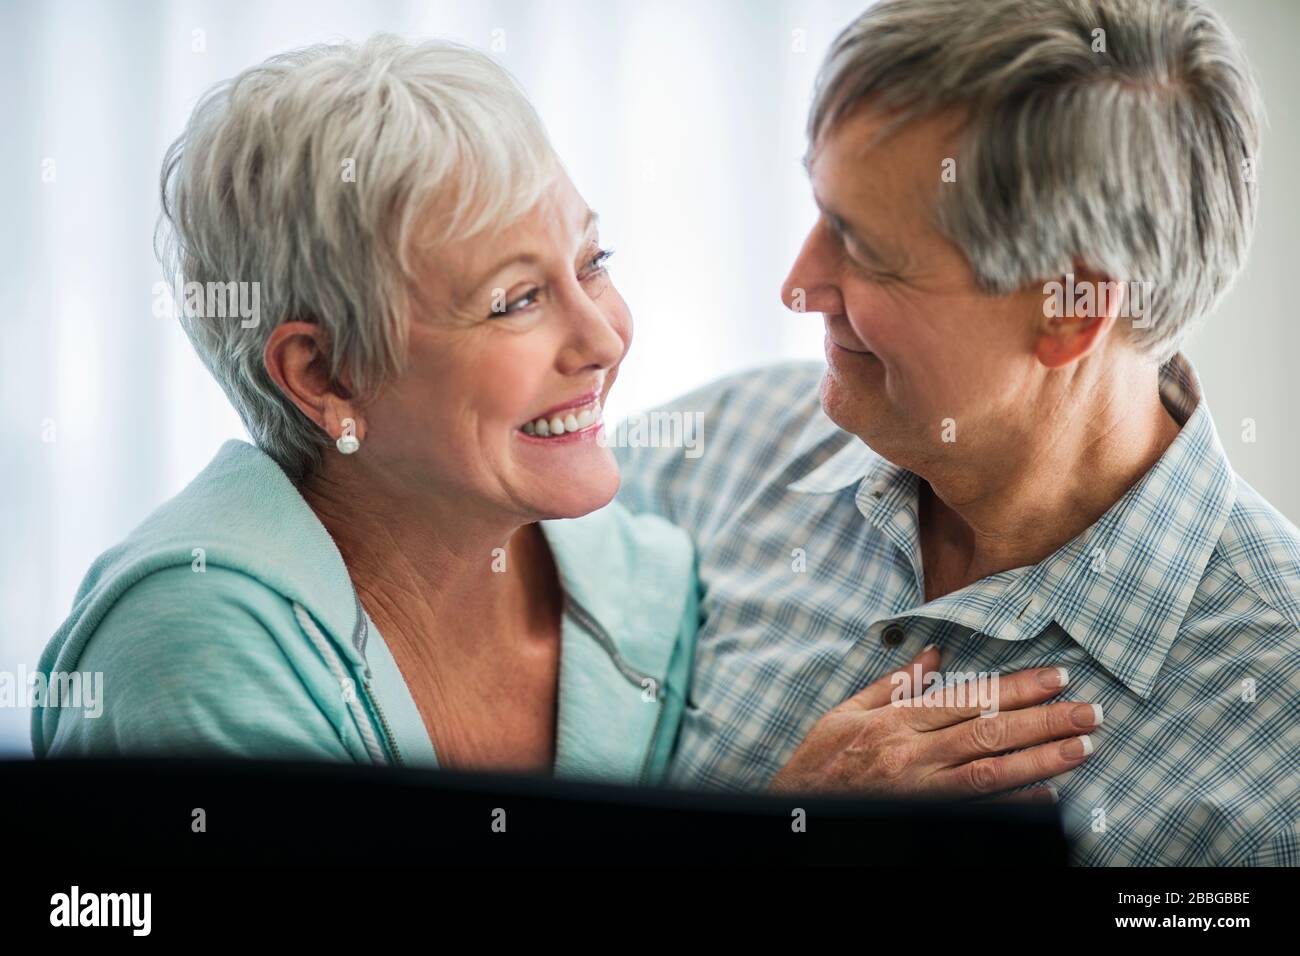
811 285
595 339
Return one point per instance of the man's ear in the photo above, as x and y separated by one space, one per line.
295 358
1079 309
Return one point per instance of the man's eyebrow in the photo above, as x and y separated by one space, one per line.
848 234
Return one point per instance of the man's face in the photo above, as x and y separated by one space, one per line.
910 340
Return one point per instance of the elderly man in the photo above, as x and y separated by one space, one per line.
995 461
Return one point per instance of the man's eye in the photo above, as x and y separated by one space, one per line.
873 272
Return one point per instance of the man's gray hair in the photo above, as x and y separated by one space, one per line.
325 175
1122 135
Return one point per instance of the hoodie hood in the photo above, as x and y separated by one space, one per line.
244 514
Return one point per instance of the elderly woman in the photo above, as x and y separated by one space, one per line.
371 581
383 577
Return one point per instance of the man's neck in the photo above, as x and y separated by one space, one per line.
1012 510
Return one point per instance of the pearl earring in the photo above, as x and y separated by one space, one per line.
348 442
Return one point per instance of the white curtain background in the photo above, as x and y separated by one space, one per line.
680 122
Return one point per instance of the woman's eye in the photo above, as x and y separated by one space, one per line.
597 262
595 268
516 305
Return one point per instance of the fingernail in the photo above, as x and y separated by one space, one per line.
1052 792
1076 747
1086 715
1053 677
928 648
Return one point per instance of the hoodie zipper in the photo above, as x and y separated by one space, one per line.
363 624
654 739
383 721
343 675
588 623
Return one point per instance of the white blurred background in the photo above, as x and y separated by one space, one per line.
680 122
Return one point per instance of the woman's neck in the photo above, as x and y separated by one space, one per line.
422 569
470 609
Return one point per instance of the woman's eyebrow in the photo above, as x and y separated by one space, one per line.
521 258
471 289
526 258
593 221
529 258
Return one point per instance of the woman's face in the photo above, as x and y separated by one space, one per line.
511 330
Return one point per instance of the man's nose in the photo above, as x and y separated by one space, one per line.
812 285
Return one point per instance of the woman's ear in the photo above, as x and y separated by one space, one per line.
295 358
1078 310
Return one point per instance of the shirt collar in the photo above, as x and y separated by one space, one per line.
845 467
1121 588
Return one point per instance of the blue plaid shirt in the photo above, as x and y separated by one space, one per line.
1178 612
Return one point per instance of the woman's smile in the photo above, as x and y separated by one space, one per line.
570 421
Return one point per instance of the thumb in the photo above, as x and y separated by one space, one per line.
901 684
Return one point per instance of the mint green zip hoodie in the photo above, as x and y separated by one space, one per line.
227 624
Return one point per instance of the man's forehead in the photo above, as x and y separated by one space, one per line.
866 156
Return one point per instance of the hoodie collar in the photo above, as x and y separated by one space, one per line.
628 576
618 570
267 529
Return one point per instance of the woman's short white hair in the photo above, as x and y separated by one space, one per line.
323 175
1122 134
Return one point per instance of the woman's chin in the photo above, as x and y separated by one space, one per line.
577 502
574 485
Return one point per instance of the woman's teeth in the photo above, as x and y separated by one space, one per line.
572 420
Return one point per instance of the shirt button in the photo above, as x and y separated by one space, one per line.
892 635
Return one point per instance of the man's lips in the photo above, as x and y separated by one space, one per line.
855 349
833 336
848 348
